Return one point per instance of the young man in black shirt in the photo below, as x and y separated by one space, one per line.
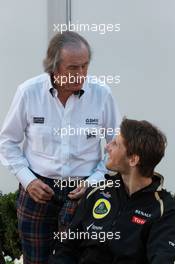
131 220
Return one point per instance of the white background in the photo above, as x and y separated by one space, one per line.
23 34
142 53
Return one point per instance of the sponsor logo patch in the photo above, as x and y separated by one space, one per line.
101 208
138 220
172 243
38 120
90 135
94 227
142 213
106 194
91 121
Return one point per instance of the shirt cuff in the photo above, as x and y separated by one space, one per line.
25 176
95 178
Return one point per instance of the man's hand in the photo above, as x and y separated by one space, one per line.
78 192
39 191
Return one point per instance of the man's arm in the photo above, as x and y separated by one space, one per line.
161 242
11 156
11 135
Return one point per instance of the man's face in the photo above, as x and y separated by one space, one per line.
118 160
73 68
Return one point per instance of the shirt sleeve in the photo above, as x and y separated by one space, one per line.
111 123
161 241
11 135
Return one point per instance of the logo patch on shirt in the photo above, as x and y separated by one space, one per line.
94 227
38 120
91 121
106 194
142 213
101 208
172 243
90 135
138 220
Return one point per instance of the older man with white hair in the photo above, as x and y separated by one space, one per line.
44 111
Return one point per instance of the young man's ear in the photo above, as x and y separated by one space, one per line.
134 160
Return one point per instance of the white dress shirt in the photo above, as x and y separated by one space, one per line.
37 118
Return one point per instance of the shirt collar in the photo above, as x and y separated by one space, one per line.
79 93
54 91
156 185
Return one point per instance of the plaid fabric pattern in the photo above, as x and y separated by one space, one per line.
38 222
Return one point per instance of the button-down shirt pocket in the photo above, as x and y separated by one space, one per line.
89 140
44 141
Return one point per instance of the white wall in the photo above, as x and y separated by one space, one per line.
23 42
143 53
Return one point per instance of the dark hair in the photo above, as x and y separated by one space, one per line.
146 141
57 43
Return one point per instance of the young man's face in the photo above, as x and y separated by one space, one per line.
73 68
118 160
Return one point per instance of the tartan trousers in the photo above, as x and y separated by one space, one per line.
38 222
